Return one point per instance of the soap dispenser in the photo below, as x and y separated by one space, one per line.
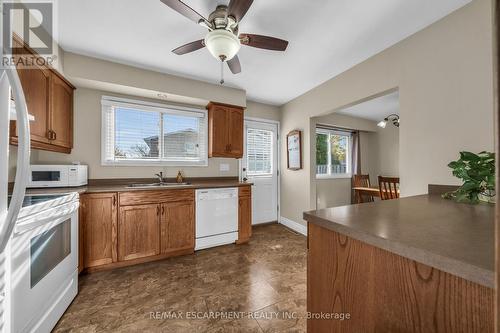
179 178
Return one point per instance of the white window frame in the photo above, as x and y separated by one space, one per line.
329 174
264 175
109 101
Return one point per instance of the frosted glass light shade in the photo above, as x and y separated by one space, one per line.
222 44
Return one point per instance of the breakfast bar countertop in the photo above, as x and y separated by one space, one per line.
121 185
453 237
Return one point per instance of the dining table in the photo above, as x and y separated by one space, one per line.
361 191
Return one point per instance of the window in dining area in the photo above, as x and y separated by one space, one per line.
333 153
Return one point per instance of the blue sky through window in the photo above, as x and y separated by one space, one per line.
132 126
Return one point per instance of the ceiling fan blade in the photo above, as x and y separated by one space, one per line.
189 47
238 8
264 42
184 10
234 65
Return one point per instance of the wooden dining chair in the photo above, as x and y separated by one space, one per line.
361 181
389 187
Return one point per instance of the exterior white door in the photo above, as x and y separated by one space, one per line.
260 166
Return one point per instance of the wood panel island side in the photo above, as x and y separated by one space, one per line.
417 264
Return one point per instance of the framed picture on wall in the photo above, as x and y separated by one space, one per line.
294 150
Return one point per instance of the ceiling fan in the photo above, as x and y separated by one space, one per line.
223 39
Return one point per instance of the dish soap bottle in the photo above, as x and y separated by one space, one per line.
179 178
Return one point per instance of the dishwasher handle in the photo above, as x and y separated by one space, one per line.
216 194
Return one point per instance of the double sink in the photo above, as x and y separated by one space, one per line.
158 185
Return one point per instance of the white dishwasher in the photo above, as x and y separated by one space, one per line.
216 217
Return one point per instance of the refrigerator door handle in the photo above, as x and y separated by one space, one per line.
23 155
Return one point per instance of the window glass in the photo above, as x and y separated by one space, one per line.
135 131
259 152
333 152
138 134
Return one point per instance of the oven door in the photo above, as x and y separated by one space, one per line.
44 273
48 176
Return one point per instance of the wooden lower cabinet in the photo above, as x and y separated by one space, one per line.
98 214
127 228
177 226
138 231
244 214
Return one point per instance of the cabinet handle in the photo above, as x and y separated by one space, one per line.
49 134
157 210
162 210
230 147
114 200
55 135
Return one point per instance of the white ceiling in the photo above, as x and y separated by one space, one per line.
375 109
326 38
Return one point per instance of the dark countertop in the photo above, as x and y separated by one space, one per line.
456 238
121 186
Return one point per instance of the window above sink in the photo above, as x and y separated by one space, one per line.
137 133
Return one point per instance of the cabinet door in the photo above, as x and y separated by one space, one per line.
36 86
244 218
235 134
61 113
138 232
177 226
218 132
99 228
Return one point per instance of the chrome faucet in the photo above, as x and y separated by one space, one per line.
160 177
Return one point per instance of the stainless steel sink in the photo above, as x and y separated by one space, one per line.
158 185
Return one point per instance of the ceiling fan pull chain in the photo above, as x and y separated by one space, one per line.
222 72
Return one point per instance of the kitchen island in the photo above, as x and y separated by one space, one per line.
417 264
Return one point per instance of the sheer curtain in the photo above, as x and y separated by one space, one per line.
356 160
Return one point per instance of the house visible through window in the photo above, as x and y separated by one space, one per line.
333 153
140 133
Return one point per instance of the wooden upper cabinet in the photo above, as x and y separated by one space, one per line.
138 231
61 115
99 218
49 98
36 86
225 128
177 226
235 132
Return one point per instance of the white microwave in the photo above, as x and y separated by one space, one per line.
57 176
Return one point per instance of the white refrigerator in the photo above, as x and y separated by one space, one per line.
10 83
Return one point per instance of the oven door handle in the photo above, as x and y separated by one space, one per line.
61 215
10 75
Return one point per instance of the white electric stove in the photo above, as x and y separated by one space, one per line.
42 265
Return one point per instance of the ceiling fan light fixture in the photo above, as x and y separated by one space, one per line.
222 44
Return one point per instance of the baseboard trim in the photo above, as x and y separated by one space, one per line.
295 226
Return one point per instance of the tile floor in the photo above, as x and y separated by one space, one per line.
258 287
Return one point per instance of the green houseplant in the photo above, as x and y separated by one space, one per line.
478 173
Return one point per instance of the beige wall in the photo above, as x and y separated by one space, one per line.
105 75
444 74
264 111
87 143
386 143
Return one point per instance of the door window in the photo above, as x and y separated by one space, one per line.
259 152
